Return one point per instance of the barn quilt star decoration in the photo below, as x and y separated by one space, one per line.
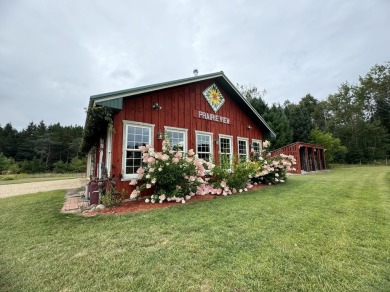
214 97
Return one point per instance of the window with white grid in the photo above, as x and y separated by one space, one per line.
135 135
177 138
256 145
204 145
243 149
225 149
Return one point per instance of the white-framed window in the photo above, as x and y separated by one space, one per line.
243 151
91 163
204 145
134 135
256 145
178 138
108 151
225 148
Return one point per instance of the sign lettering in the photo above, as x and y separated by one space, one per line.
213 117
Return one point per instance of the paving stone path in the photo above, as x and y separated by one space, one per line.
44 186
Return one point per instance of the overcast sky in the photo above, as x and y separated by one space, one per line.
55 54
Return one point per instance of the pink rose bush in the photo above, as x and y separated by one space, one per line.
177 177
271 170
174 176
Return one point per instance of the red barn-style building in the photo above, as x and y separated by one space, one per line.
309 157
205 113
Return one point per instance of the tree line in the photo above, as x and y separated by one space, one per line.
352 123
41 148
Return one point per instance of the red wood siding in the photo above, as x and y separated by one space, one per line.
177 106
312 158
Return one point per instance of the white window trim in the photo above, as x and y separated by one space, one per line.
89 164
109 151
260 143
126 177
231 145
100 163
182 130
246 140
211 142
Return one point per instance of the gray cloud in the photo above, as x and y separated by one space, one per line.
54 55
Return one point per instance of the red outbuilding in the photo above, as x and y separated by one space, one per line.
309 157
205 113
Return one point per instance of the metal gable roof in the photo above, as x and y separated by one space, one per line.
115 99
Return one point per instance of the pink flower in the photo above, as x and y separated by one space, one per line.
210 166
175 160
142 148
223 184
198 163
153 180
133 182
133 194
148 186
219 191
191 153
201 173
188 159
164 157
151 160
178 155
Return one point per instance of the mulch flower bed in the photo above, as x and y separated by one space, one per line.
135 206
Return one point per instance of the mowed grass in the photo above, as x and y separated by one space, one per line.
322 232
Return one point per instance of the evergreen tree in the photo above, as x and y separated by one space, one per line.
8 140
278 121
300 121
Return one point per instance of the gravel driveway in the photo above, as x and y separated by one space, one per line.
44 186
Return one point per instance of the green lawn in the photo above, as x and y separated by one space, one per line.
9 179
322 232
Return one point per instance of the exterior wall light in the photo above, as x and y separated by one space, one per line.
159 135
156 106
